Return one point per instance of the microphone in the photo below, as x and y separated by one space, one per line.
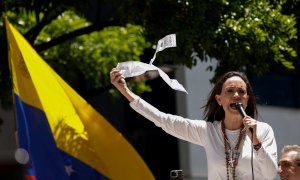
239 107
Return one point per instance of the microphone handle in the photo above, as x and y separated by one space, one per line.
243 113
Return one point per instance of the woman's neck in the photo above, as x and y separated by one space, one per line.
233 123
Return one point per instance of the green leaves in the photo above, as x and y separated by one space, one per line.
259 24
92 55
240 35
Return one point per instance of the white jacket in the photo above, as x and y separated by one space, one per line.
209 136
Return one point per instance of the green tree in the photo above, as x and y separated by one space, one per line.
241 35
82 56
92 55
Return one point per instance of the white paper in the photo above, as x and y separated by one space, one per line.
136 68
166 42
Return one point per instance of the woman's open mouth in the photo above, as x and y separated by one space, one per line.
232 105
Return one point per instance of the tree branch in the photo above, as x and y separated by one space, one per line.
78 32
48 17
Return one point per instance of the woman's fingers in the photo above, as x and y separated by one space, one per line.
249 122
114 74
117 78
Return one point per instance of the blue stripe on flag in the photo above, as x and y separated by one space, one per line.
47 162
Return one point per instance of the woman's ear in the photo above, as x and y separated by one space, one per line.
218 99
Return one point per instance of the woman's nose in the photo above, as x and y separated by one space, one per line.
236 93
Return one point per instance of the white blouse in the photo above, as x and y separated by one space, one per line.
210 137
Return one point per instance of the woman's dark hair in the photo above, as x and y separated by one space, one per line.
214 112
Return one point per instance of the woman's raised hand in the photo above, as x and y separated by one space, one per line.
118 80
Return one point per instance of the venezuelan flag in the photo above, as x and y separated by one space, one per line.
63 135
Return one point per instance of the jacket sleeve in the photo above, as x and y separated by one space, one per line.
182 128
267 154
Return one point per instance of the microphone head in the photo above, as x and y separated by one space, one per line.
238 105
240 108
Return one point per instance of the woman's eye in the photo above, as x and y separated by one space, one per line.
241 92
230 91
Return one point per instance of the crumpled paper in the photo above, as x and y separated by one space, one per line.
136 68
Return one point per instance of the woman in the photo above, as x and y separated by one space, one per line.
227 138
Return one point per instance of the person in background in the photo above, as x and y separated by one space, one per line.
231 142
289 163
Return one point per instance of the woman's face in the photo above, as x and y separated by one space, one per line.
234 90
